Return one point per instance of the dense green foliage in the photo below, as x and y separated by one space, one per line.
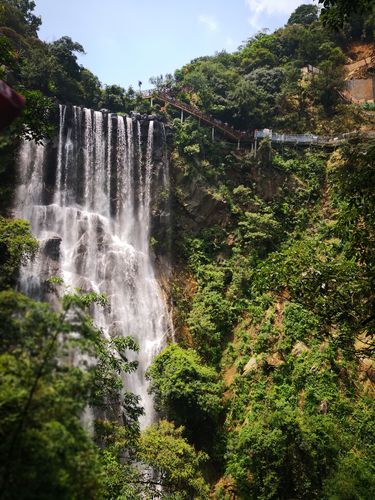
336 13
174 462
268 393
16 247
47 73
44 449
304 14
186 391
57 365
296 282
278 291
261 85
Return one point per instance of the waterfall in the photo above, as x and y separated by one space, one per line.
91 200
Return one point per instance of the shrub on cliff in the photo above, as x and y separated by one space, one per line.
185 390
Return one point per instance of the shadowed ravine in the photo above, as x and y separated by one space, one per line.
89 201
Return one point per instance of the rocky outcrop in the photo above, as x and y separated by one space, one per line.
251 366
274 360
199 205
299 348
51 247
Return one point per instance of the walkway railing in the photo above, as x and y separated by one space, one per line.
309 139
224 128
251 137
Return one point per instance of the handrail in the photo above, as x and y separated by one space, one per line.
240 136
307 139
214 122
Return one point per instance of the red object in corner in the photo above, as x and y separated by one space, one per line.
11 104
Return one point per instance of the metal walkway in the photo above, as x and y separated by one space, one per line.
308 139
251 137
224 128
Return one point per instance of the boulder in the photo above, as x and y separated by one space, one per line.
323 407
51 247
299 348
250 366
274 360
367 368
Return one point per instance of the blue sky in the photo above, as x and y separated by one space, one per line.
130 40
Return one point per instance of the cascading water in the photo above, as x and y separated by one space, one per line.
89 203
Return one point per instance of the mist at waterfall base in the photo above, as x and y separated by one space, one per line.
88 199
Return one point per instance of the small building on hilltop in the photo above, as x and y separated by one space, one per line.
310 71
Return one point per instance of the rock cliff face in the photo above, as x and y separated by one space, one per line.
197 202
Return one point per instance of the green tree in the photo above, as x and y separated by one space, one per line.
185 390
48 381
258 232
262 50
67 71
207 82
350 171
304 14
16 247
7 57
65 49
113 98
174 463
248 103
336 12
91 89
326 85
18 15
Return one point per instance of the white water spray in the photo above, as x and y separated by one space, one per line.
94 215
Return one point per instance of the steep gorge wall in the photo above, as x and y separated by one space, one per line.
269 285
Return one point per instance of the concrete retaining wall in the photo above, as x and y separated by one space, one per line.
362 90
